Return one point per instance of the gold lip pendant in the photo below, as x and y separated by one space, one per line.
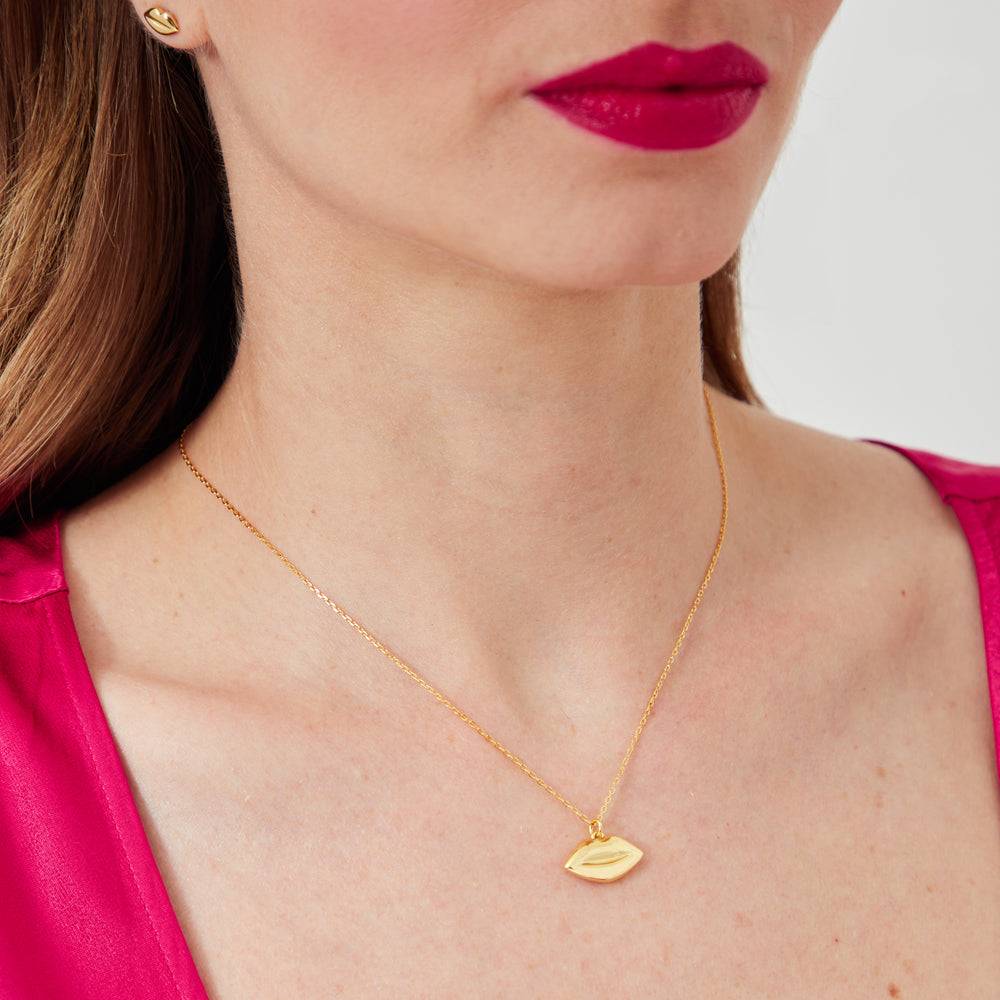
603 858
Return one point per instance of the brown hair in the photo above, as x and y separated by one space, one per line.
721 329
119 291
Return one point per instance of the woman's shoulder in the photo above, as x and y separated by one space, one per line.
901 539
861 517
972 491
890 558
876 482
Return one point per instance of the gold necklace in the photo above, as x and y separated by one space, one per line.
601 857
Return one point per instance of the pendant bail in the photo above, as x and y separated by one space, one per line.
596 830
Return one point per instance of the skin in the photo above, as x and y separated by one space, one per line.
468 403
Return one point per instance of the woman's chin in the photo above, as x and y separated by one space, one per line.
608 270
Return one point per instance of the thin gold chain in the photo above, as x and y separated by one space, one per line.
595 824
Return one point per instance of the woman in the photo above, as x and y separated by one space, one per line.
473 243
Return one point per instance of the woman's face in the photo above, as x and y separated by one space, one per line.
415 119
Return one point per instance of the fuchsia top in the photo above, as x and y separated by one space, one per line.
83 909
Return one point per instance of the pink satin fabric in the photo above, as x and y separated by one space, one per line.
83 909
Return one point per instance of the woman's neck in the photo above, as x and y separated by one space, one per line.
514 469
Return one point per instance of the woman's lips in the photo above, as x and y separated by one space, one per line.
657 97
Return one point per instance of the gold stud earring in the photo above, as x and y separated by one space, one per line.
161 21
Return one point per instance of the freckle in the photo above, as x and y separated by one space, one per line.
893 990
930 888
879 802
881 771
903 593
155 560
313 511
180 595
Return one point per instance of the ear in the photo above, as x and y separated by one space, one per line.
179 24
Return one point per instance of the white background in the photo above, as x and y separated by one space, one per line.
870 269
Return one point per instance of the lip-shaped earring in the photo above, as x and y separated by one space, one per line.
161 21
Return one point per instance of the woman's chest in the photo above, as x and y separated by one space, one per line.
432 911
414 864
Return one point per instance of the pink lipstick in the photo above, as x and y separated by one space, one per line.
656 97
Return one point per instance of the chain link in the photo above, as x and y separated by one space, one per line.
594 823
